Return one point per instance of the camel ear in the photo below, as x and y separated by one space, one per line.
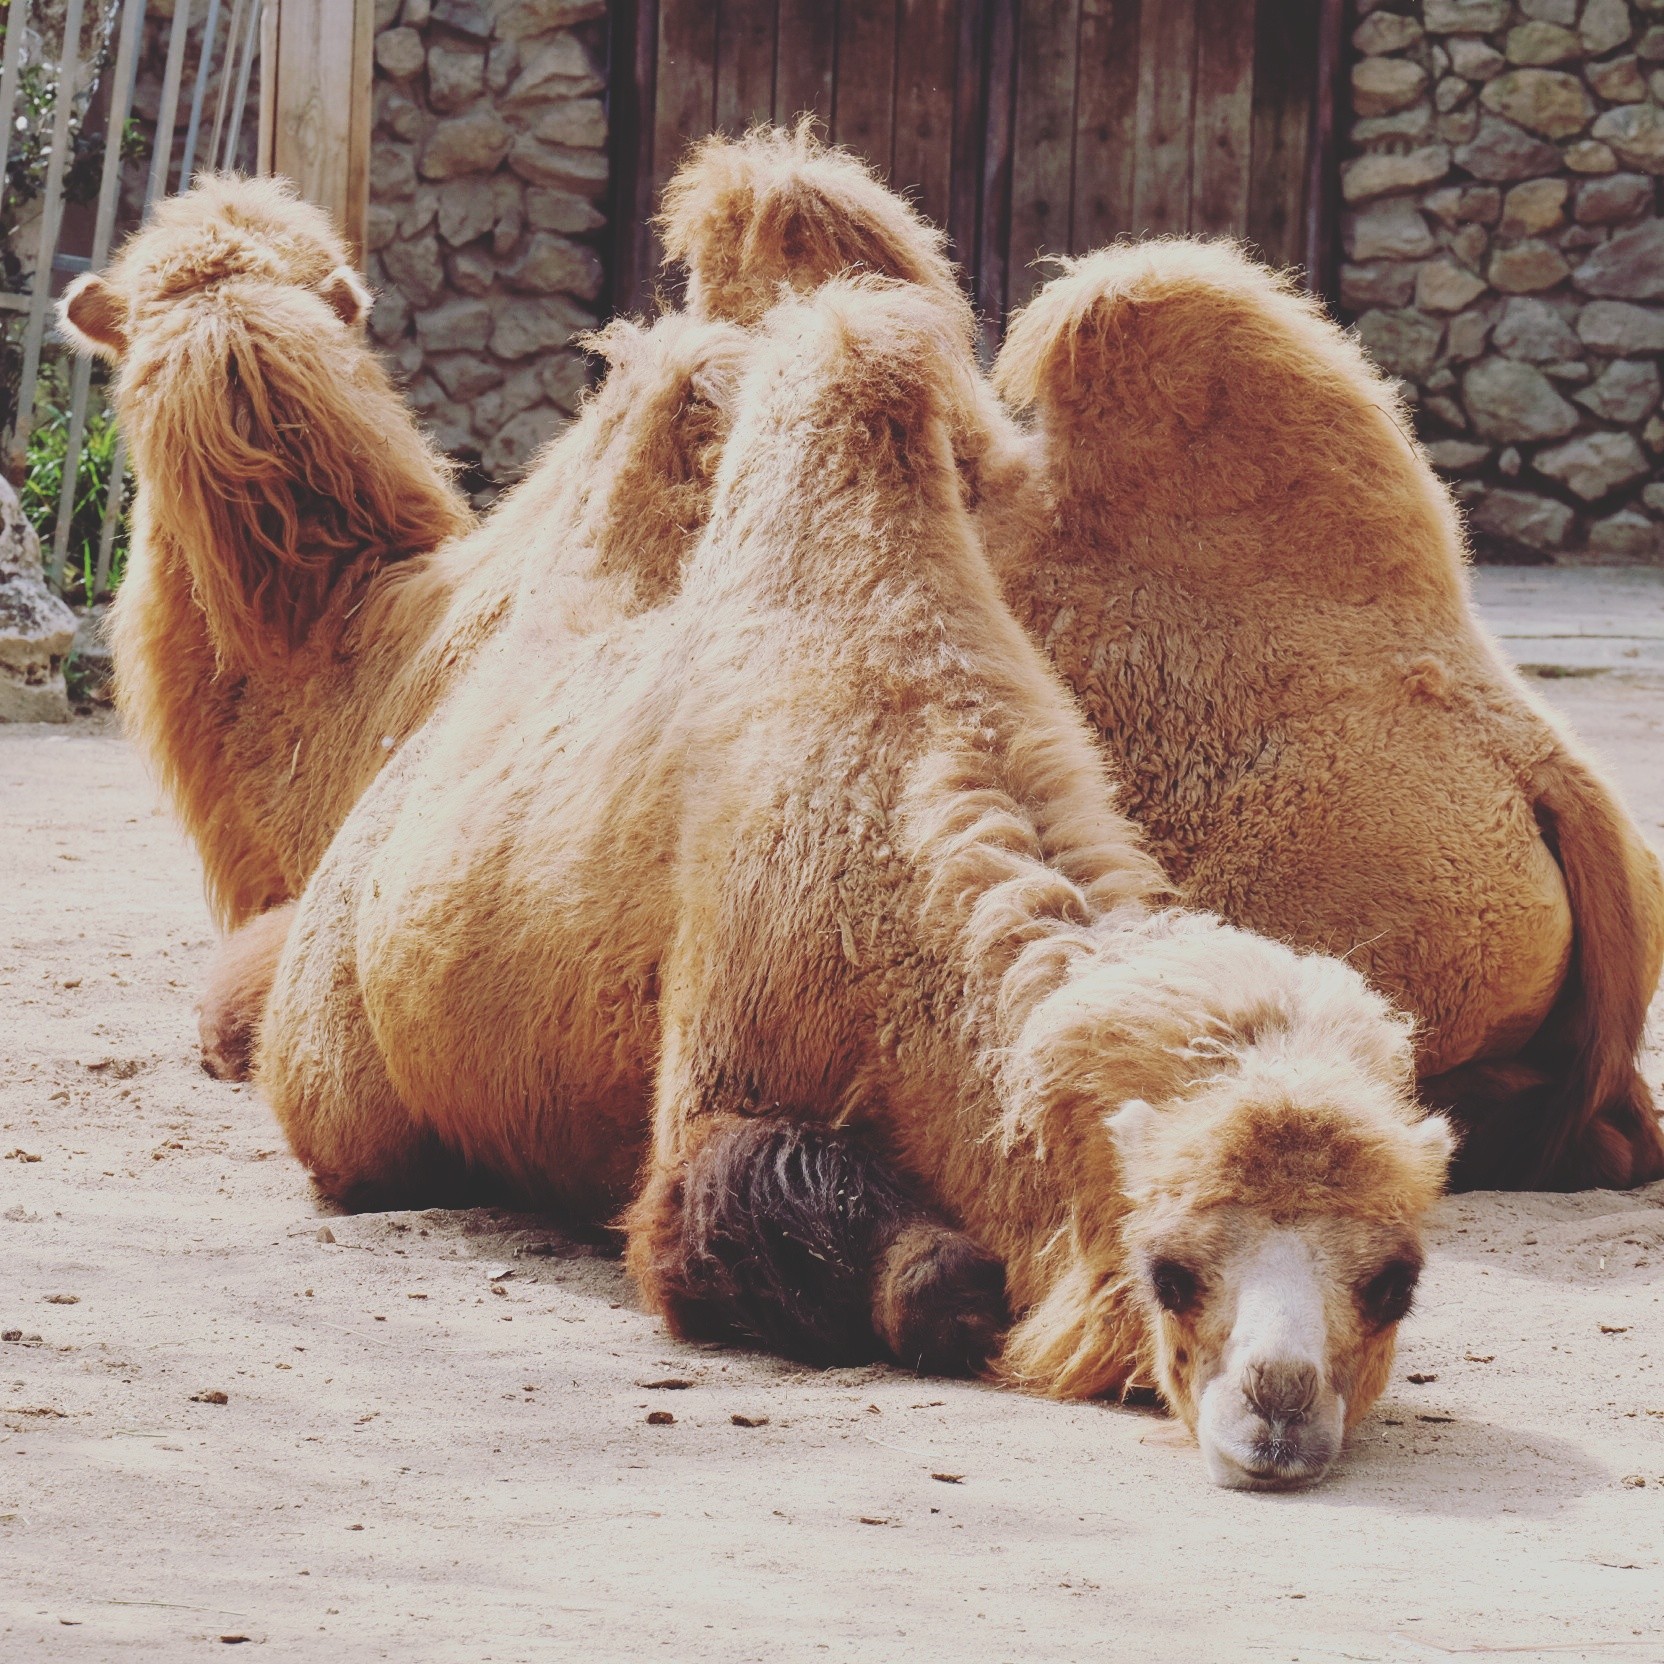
346 295
1129 1130
93 317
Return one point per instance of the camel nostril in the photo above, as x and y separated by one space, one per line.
1282 1393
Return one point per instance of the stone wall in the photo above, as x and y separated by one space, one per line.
488 177
1505 257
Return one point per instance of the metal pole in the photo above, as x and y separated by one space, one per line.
162 161
50 215
15 27
109 193
226 76
204 57
234 133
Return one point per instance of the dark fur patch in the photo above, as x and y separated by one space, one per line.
798 1238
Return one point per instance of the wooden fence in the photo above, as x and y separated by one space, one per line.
1023 127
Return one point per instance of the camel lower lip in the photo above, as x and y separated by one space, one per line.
1265 1470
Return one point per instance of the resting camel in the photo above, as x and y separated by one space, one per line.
1221 533
300 592
806 885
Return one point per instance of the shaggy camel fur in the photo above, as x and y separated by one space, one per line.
293 609
814 857
1250 575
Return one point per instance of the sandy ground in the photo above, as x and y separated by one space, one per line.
433 1442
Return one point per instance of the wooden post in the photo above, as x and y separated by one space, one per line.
315 98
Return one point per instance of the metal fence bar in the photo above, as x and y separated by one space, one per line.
162 161
51 213
16 22
109 195
224 102
234 134
204 57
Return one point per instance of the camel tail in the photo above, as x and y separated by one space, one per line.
1573 1112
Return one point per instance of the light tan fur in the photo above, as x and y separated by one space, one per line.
1225 538
822 834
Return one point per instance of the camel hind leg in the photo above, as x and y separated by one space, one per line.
794 1235
233 1001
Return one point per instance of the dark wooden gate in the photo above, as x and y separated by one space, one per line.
1024 127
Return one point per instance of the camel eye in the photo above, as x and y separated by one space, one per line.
1176 1286
1386 1297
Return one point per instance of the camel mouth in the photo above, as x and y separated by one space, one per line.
1275 1460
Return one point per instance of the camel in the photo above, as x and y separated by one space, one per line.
275 642
805 885
1222 533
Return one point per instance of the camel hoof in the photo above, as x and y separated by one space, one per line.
940 1303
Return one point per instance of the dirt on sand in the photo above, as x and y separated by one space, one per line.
227 1416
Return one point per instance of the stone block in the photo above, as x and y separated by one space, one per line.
1536 206
416 13
400 53
36 628
1605 24
466 210
1593 465
467 17
516 444
456 75
415 266
1465 204
1390 230
519 18
529 324
1590 156
1550 11
557 67
381 225
1618 81
1382 85
1539 45
474 143
473 270
1412 125
1512 401
418 213
565 378
1533 332
1451 93
1444 286
1545 101
1609 201
1650 47
457 326
1383 173
552 210
1527 268
1404 343
1457 456
1636 134
1625 392
1615 326
1386 32
575 121
392 173
1476 60
1500 151
1523 520
1465 17
1626 535
1630 267
584 171
552 264
464 375
1466 336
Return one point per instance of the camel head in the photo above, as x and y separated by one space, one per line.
1245 1230
223 231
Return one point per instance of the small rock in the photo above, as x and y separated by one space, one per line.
1527 268
1512 401
1381 173
1605 25
1501 151
1382 85
660 1418
1476 60
474 143
1630 267
400 53
1627 391
1619 196
1590 156
37 630
1545 101
1509 462
1536 206
1636 134
1539 45
63 1299
1421 1379
1534 332
1615 326
1593 465
325 1234
1618 82
215 1396
748 1421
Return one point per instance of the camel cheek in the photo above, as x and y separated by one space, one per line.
1369 1376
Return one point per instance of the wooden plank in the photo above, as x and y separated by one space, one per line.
744 64
1106 123
1222 132
994 235
807 32
1042 173
970 130
1166 102
321 100
635 253
1285 67
927 42
864 96
1322 206
684 106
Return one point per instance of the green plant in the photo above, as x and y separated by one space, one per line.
44 478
